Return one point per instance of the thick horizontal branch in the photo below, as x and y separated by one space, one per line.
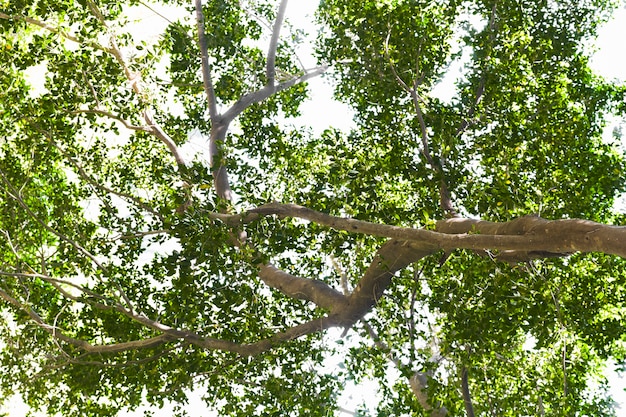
536 235
518 240
528 233
312 290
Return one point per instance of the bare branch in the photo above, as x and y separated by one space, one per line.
156 130
135 82
532 234
271 53
267 91
312 290
206 67
393 256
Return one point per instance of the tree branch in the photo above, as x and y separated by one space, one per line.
157 131
96 184
312 290
54 29
15 195
271 53
391 257
108 114
444 192
267 91
419 386
206 67
480 90
58 334
531 235
467 399
135 82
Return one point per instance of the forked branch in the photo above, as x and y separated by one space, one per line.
134 78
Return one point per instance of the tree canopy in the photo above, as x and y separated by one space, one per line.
167 226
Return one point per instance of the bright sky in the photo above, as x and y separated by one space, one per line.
609 61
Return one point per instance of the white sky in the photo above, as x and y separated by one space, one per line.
321 110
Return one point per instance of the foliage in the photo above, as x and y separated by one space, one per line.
165 227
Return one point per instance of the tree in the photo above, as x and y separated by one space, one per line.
134 270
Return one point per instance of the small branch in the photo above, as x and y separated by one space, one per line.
313 326
127 363
444 193
564 364
530 234
58 334
342 275
381 345
110 115
156 130
146 233
15 194
271 53
135 82
83 174
419 386
53 29
480 90
220 127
